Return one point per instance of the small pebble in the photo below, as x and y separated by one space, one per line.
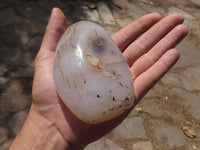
92 6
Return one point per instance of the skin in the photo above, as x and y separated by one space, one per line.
148 46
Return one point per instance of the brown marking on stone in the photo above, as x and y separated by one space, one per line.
58 55
109 74
75 84
111 109
68 30
113 98
113 73
127 98
83 78
70 36
74 47
121 84
96 33
60 70
68 82
81 86
112 62
93 61
75 30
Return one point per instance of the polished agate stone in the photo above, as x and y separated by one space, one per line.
91 75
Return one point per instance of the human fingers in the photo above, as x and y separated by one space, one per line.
45 56
148 79
129 33
151 37
54 30
149 58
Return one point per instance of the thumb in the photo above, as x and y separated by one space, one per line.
54 30
45 57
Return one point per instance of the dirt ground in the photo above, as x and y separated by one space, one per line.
169 116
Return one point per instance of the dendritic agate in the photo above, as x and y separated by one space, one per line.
91 75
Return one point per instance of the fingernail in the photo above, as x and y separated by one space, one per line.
53 11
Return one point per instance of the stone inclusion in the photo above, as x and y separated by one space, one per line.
91 75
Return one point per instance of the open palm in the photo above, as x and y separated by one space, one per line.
147 45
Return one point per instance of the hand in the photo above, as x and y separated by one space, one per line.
150 56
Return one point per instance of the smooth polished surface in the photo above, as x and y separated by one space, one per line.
91 75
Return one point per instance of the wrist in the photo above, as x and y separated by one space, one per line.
38 133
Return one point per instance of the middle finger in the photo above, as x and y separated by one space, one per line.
151 37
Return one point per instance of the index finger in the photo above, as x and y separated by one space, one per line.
129 33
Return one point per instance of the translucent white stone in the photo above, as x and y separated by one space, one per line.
91 75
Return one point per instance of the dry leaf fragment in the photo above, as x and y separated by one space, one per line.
189 132
139 109
194 147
